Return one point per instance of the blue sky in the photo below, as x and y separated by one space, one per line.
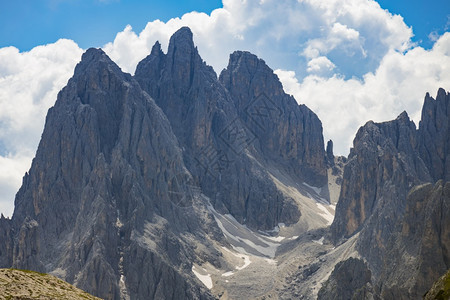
424 16
92 23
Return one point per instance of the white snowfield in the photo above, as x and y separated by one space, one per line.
244 240
325 213
246 259
319 241
205 279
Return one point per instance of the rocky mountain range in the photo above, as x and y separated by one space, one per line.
395 194
176 183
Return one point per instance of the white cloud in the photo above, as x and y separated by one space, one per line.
353 34
320 66
399 83
433 36
29 83
347 39
12 170
348 60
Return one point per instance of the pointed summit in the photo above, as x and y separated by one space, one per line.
434 134
182 66
182 38
183 58
149 69
244 65
184 31
92 56
94 60
403 117
99 83
248 60
93 53
290 132
156 49
441 93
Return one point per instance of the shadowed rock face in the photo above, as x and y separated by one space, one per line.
6 241
400 221
95 207
418 252
350 279
382 166
434 137
224 146
288 133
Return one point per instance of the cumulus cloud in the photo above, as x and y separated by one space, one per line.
12 167
352 34
399 83
320 65
348 60
29 83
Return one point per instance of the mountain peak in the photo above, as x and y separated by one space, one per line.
182 38
94 60
156 49
245 55
183 31
251 62
93 55
253 86
441 93
403 117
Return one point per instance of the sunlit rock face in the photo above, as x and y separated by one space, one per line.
395 195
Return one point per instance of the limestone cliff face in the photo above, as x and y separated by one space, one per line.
382 166
402 222
289 133
225 152
6 241
418 252
184 87
96 206
350 279
434 136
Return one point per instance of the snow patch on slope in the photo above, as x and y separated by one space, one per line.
325 213
243 239
227 274
205 279
319 241
315 189
244 257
